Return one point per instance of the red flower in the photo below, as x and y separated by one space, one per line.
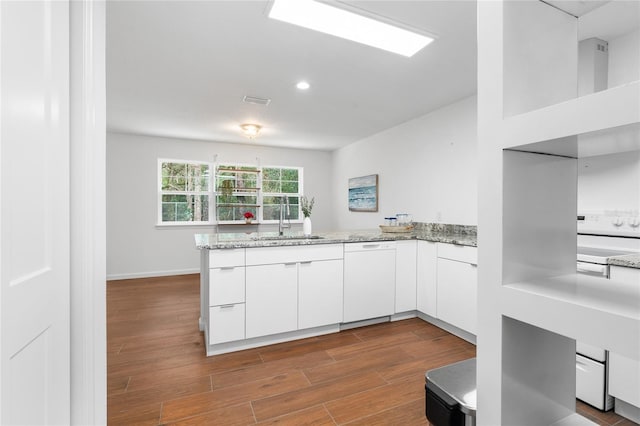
248 215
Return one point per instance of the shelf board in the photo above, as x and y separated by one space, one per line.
220 169
607 109
577 306
236 190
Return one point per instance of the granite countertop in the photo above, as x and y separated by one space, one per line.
456 234
628 260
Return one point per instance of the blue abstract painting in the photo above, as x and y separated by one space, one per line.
363 194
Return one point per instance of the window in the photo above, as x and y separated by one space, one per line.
190 193
241 189
237 192
184 192
279 182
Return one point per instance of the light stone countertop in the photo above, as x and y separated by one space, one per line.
628 260
270 239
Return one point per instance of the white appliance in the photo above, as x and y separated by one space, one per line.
601 235
369 280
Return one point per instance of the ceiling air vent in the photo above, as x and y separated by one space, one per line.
256 100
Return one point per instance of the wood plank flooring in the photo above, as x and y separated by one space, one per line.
158 374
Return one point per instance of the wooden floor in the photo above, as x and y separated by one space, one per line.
158 373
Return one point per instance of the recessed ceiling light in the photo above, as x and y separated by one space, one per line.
342 23
303 85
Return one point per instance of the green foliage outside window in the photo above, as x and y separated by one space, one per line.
185 192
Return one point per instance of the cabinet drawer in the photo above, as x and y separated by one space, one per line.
591 382
226 285
226 257
292 254
466 254
226 323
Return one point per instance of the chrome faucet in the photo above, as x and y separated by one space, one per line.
284 202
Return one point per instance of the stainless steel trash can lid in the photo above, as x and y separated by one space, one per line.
458 381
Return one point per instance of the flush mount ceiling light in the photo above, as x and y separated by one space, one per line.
250 130
303 85
351 26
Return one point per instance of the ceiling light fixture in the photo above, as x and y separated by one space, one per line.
250 130
351 26
303 85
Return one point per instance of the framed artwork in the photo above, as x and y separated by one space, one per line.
363 194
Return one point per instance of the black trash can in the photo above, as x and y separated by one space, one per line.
451 394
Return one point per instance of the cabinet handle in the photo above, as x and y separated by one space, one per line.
474 265
227 268
307 262
370 245
227 306
290 264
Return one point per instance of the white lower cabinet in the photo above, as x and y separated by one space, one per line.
226 323
319 293
405 276
457 296
271 299
624 378
226 285
426 279
624 372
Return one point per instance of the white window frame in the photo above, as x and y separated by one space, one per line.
208 193
299 194
258 217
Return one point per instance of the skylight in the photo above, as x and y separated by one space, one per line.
348 25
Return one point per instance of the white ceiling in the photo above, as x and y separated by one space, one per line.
181 69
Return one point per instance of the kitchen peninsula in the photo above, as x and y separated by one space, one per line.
260 288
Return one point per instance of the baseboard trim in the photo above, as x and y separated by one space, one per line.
115 277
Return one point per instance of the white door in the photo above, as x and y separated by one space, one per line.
34 213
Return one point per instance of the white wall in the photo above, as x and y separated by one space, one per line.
624 59
426 167
609 182
136 247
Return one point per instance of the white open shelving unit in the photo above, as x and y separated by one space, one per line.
532 128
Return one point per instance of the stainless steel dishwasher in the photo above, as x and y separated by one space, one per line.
369 280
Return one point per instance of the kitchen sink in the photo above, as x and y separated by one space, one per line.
286 237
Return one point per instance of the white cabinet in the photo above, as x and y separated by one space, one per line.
293 287
624 378
226 291
319 293
226 323
226 285
406 276
458 286
369 280
271 299
624 373
426 279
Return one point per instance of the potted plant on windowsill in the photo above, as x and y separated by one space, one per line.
307 206
248 217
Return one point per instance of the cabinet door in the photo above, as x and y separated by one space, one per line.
624 378
405 276
226 285
427 278
457 294
319 293
369 284
271 299
226 323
